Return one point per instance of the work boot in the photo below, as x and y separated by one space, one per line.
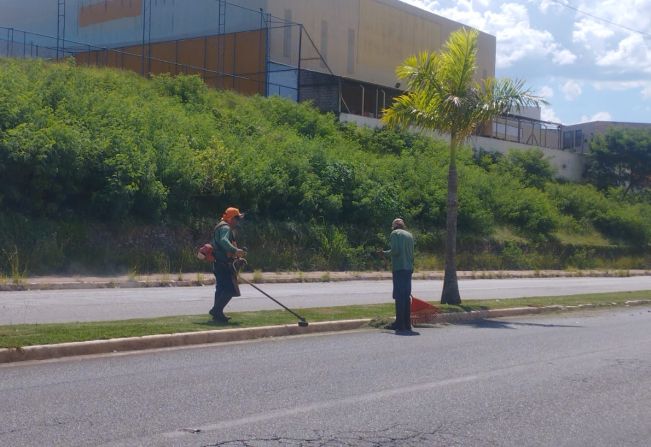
219 316
221 319
406 332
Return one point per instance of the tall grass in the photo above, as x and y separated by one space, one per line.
103 171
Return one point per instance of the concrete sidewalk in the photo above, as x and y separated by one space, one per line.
45 352
205 278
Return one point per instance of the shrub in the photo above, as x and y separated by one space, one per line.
89 154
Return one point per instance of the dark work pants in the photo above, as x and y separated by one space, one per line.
402 296
226 287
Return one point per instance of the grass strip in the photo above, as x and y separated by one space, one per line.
12 336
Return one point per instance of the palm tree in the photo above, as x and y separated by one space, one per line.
443 96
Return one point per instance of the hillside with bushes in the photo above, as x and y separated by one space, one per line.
103 171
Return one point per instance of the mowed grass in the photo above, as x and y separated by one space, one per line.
13 336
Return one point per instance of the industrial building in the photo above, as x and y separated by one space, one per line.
577 137
339 54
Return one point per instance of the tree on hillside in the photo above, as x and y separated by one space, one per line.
621 157
530 166
443 96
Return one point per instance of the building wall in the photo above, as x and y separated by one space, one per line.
577 137
120 22
243 59
21 14
568 165
359 39
367 39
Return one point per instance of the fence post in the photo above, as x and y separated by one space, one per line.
10 41
300 50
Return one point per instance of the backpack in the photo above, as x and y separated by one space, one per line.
205 253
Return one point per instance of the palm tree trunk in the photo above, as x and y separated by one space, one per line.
450 294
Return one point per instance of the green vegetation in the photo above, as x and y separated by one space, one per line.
37 334
621 158
103 172
443 96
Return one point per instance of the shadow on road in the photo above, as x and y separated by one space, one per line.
494 324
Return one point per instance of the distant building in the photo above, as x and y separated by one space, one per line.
577 137
341 54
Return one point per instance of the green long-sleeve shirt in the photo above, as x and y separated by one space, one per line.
402 250
223 242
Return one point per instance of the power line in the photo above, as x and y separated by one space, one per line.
601 19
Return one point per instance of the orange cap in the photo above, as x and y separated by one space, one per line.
231 212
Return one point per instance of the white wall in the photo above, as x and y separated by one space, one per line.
569 165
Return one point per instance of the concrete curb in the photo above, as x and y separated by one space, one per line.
54 283
454 317
45 352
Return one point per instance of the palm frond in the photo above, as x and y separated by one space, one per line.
443 96
500 96
411 109
459 61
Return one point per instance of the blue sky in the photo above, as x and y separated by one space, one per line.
591 59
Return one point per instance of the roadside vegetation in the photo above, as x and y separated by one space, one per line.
20 335
443 96
103 171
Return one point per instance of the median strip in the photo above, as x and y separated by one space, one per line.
44 341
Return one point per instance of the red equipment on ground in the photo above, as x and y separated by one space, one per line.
422 311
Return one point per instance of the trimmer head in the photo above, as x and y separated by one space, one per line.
303 323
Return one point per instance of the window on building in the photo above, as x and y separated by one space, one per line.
578 138
568 139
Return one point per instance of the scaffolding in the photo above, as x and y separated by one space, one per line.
230 46
234 54
61 28
523 130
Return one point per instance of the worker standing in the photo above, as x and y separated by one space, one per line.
225 251
402 262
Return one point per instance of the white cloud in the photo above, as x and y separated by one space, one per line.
545 5
591 33
563 57
546 92
644 87
632 53
634 14
599 116
620 85
546 41
646 91
548 114
615 45
572 90
510 24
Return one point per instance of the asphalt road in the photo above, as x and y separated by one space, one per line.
121 304
564 380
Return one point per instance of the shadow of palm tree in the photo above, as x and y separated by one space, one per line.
495 324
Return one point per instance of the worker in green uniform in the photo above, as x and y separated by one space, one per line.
402 262
225 251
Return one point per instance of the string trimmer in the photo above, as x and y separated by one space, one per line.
241 262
